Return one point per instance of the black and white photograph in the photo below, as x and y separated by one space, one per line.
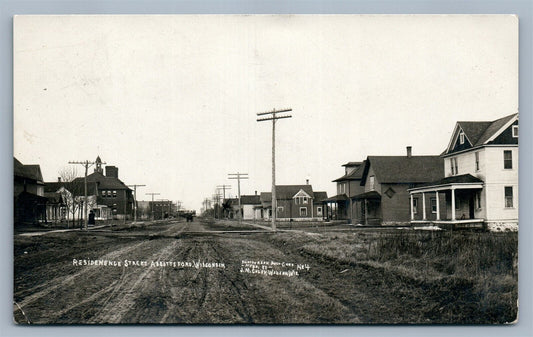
265 169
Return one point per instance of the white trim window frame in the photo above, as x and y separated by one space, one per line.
507 160
508 196
515 131
303 211
319 211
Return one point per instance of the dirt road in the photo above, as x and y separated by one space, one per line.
186 273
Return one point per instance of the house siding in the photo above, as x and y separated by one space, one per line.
496 180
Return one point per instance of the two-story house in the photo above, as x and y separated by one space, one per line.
386 180
294 203
343 205
28 193
481 178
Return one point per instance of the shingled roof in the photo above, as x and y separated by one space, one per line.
288 191
32 172
110 183
357 174
76 187
320 196
460 179
250 200
479 132
404 169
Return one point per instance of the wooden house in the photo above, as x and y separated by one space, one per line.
480 187
386 181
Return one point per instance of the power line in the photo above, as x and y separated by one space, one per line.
273 118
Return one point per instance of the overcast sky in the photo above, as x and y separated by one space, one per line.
172 100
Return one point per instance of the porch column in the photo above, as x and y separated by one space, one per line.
412 210
453 204
438 210
424 206
366 212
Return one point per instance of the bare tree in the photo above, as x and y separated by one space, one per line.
71 191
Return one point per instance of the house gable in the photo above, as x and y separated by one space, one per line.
301 193
460 140
505 137
477 134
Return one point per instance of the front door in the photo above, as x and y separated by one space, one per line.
471 206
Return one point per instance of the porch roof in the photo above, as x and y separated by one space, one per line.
459 182
338 197
367 195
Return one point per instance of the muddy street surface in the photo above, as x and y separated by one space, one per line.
205 273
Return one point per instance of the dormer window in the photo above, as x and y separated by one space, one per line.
515 131
461 137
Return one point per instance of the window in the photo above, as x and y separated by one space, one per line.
300 200
114 194
433 202
371 183
515 131
462 137
452 167
103 194
109 194
477 161
390 192
508 196
319 211
280 209
478 200
415 205
303 211
342 188
507 159
304 200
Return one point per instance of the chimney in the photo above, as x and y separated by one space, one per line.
111 171
307 181
58 179
255 192
409 151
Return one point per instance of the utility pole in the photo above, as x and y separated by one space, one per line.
206 201
216 199
224 188
178 207
238 176
152 194
135 200
162 207
273 118
86 164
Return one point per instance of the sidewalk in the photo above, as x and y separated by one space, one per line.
60 231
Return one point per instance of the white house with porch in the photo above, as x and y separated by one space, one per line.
480 187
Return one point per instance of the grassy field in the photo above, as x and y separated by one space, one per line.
474 274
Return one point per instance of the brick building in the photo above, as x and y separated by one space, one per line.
112 192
